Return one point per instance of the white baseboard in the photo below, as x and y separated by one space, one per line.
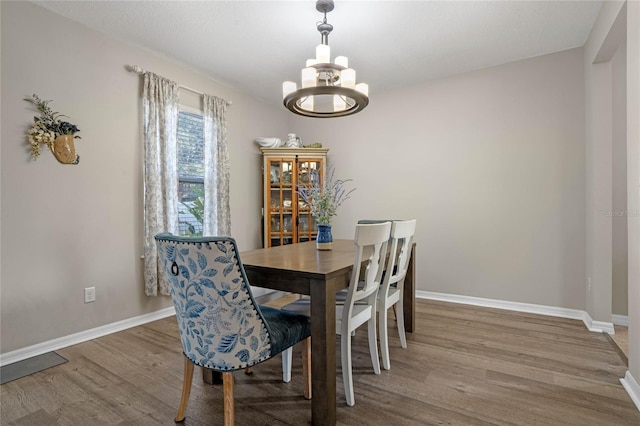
595 326
598 326
633 389
620 320
83 336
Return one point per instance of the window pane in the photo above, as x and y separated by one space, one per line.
190 208
191 173
190 146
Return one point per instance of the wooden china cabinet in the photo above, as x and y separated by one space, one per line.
287 219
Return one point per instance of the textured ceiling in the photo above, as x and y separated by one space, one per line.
253 46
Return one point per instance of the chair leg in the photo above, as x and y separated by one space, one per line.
347 375
186 389
306 366
373 343
287 355
384 337
400 322
227 390
248 370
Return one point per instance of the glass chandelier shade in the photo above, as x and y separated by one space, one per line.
328 89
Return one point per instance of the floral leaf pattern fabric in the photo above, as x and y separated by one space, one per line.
217 218
220 326
160 111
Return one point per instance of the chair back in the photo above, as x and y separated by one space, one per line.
220 325
371 245
402 233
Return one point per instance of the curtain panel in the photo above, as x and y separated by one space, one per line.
160 110
217 221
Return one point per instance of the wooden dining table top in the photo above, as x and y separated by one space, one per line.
303 258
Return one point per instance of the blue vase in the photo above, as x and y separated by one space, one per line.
324 241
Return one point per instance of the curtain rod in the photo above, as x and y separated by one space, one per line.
137 69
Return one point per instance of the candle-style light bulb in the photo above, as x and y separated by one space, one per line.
363 88
308 77
348 78
307 103
288 87
323 54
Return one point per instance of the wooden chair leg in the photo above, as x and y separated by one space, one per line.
395 314
227 389
248 370
186 389
306 366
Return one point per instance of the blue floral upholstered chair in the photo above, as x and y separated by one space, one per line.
221 326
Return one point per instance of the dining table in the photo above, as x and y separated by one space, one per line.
301 268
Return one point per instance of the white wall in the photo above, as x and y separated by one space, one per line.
68 227
491 163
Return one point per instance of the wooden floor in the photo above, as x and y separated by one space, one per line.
464 365
621 339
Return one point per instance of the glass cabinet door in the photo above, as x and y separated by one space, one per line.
287 218
307 227
281 195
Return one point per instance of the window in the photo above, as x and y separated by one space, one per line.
190 172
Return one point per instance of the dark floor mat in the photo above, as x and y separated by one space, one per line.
29 366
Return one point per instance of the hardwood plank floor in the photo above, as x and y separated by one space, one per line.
621 340
465 365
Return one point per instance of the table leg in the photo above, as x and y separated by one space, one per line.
211 377
323 353
409 296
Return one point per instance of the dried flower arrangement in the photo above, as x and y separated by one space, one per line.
47 126
324 198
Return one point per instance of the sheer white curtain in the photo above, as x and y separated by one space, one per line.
160 110
216 168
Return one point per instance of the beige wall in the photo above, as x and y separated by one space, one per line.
491 163
69 227
619 182
618 22
604 39
633 182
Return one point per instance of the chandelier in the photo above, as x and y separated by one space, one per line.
328 88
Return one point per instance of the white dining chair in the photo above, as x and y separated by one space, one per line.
359 307
391 291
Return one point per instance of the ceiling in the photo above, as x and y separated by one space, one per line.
253 46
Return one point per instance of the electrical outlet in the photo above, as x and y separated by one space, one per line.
89 294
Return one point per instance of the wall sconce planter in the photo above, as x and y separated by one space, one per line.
50 130
64 150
